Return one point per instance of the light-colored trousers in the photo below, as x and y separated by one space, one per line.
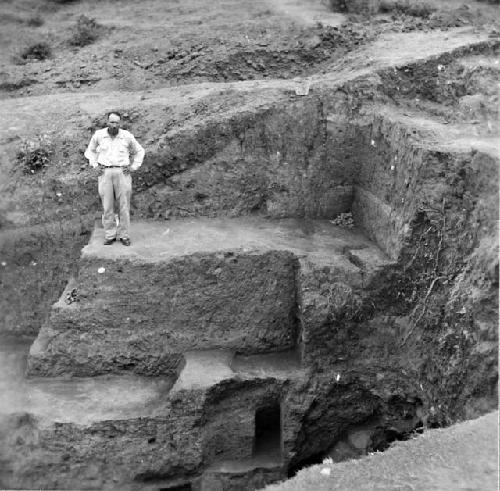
115 189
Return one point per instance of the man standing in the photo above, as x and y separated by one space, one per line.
109 152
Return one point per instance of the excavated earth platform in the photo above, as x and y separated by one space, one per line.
173 291
124 431
83 401
198 417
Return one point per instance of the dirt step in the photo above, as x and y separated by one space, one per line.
192 285
204 369
436 133
82 401
320 241
281 365
253 473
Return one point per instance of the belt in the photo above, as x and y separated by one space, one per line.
113 166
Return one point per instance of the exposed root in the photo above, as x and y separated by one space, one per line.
424 308
435 274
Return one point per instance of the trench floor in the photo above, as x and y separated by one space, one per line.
318 240
74 400
204 369
263 461
86 400
278 365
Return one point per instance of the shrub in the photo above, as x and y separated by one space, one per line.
337 5
38 51
8 18
85 32
17 84
35 21
344 220
35 154
423 10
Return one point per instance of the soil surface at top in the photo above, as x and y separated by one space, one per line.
156 44
170 66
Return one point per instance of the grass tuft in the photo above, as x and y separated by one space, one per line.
35 21
423 10
344 220
85 32
35 154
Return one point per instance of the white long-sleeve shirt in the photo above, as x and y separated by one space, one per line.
106 150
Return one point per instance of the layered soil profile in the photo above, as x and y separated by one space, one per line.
314 263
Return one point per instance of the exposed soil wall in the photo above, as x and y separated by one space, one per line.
35 266
359 397
271 161
146 315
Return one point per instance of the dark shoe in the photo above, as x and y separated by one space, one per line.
109 241
125 242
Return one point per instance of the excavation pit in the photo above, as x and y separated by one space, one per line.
310 276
